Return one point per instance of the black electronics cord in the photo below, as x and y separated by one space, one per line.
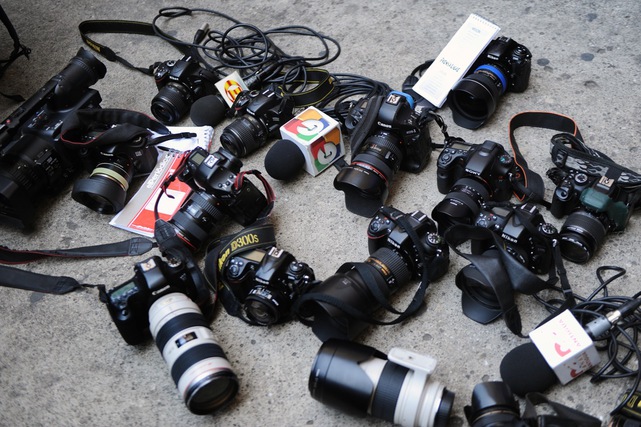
245 47
621 341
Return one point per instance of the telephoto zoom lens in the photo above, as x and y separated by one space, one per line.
360 380
198 365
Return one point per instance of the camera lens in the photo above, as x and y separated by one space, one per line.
244 136
265 306
105 191
462 204
581 236
384 270
197 218
82 71
197 363
360 380
171 103
493 405
474 99
366 180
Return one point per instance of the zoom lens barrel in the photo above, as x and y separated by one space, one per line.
198 365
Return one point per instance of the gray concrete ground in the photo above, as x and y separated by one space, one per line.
63 362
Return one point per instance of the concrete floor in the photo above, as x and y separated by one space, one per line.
62 360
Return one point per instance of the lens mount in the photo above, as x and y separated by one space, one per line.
266 307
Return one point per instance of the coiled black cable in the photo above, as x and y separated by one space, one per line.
621 342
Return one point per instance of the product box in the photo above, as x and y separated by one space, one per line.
318 136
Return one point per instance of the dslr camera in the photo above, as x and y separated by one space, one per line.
262 115
595 206
159 301
364 287
266 282
397 387
469 175
386 134
523 230
504 66
180 83
33 160
220 190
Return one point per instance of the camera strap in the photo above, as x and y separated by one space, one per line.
18 50
564 415
26 280
219 252
125 27
503 274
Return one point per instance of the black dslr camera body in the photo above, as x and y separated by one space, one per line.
262 114
469 175
33 160
393 262
220 190
267 282
504 66
596 207
523 230
386 134
180 83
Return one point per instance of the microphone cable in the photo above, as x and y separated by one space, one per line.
620 342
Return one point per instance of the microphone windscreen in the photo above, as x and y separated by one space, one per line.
525 370
209 110
284 160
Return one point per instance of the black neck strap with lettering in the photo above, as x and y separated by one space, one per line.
259 236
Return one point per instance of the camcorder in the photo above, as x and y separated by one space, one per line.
180 83
397 387
470 175
395 260
220 190
34 162
386 134
504 66
166 299
262 113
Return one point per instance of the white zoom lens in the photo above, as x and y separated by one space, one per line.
197 363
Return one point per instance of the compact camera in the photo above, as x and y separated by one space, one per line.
180 83
267 282
364 287
263 113
523 230
469 175
220 190
504 66
159 301
386 134
33 160
397 387
595 207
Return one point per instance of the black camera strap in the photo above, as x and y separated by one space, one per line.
504 274
219 252
21 279
18 50
564 416
125 27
